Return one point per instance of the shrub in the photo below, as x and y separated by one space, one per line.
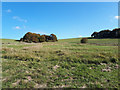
30 37
27 36
42 38
54 38
21 39
33 37
47 38
84 40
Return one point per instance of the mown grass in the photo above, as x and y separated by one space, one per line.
63 64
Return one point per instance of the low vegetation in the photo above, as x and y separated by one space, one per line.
84 40
36 38
63 64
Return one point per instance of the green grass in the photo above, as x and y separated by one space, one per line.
63 64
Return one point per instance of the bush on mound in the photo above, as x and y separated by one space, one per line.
36 38
84 40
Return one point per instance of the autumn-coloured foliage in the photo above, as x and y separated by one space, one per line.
84 40
31 37
54 38
36 38
42 38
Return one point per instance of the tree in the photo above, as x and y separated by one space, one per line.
94 34
33 37
53 37
115 33
42 38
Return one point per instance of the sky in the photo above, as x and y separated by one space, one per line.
64 19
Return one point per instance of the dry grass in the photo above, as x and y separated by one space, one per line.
66 63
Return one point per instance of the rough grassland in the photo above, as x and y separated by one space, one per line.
62 64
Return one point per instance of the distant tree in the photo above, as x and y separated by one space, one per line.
53 37
33 37
104 34
46 37
21 39
94 34
115 33
27 35
42 38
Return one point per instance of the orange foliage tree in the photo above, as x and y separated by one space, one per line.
36 38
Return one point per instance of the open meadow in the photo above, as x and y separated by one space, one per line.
66 63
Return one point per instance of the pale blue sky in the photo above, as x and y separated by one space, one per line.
60 0
65 19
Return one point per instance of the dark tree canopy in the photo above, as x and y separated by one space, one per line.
115 33
36 38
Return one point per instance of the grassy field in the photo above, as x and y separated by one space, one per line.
63 64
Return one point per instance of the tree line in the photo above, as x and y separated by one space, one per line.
36 38
115 33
